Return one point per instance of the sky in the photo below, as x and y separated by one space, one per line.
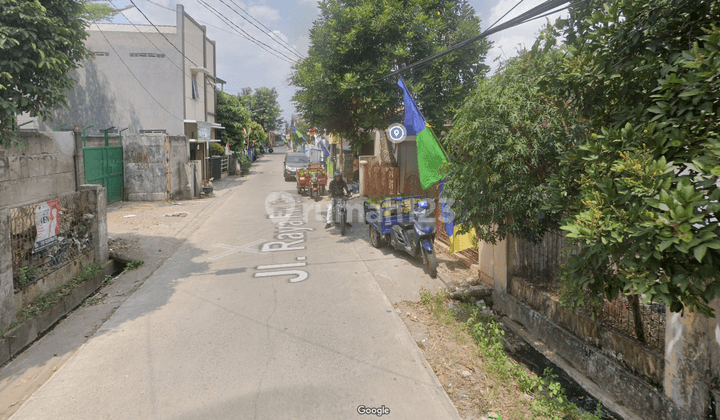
242 63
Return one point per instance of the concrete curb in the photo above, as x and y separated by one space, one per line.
26 333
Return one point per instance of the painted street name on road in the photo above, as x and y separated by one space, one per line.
289 219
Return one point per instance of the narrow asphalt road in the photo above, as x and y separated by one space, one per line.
261 314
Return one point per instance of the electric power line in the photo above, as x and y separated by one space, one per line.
249 37
130 71
204 23
149 40
534 13
288 47
163 35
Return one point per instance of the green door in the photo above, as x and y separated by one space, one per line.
104 165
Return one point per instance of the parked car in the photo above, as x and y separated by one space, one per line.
293 162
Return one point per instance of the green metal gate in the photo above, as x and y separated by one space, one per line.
104 165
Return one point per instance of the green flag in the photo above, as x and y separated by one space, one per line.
430 155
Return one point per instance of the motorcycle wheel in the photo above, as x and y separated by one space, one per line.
317 196
431 262
376 240
342 225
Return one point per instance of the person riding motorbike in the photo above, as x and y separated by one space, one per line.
337 188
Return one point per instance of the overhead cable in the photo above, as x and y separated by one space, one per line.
249 37
532 14
163 35
280 41
131 72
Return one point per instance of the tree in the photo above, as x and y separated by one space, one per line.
355 43
257 133
631 172
503 147
263 105
232 115
99 10
640 192
40 42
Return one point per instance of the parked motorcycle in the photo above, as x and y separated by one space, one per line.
416 236
340 212
314 188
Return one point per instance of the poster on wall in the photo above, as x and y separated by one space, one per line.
204 130
47 220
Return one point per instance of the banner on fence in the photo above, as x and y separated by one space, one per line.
47 220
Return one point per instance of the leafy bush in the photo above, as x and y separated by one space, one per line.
503 147
216 149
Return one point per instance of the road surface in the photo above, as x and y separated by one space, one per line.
260 314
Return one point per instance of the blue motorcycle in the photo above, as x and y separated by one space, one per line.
406 223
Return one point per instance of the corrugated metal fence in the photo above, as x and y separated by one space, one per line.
539 264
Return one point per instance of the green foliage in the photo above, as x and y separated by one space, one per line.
232 115
647 200
47 300
134 264
245 161
216 149
550 399
263 105
98 10
40 42
618 144
26 276
355 43
503 147
257 133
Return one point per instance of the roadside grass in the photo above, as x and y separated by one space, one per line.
133 265
549 398
47 300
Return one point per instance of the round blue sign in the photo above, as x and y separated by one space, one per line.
397 133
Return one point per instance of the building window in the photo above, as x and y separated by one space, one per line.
195 93
147 55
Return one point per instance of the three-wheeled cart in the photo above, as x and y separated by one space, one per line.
312 180
405 223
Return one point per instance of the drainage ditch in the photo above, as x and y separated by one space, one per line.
524 353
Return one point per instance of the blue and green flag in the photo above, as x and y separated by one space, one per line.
430 155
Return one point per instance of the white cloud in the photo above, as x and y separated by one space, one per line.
507 43
263 13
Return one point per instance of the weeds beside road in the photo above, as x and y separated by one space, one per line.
464 346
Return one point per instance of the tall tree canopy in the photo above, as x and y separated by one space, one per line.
354 43
234 116
612 135
40 42
263 105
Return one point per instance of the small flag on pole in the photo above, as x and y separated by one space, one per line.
227 147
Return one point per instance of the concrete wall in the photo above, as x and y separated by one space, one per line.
180 183
12 303
7 303
146 167
194 48
108 94
44 167
113 141
675 385
210 99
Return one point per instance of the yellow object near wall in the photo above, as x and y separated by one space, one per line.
462 242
